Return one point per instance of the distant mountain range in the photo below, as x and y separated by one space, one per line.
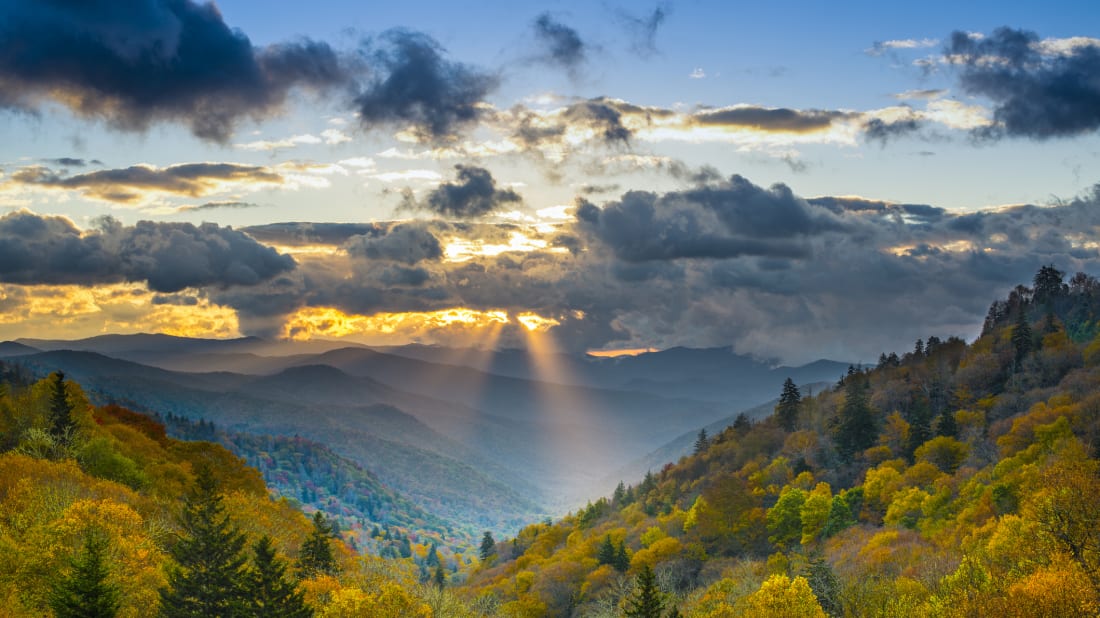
461 433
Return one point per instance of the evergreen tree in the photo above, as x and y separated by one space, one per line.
439 577
856 430
701 442
824 584
619 497
269 593
207 579
605 553
622 559
786 411
316 557
920 426
61 421
488 546
432 559
85 592
646 602
1021 337
1048 285
742 424
946 425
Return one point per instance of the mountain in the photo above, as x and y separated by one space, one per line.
952 480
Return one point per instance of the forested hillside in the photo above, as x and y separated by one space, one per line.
102 514
950 480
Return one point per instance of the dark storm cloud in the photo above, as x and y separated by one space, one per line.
882 131
126 185
723 220
301 233
416 85
135 62
602 116
770 119
401 275
168 256
1037 92
473 193
560 44
69 162
404 242
643 28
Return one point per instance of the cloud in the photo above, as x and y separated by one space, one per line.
474 193
1041 89
882 131
728 219
228 205
169 257
768 119
409 243
132 184
698 73
417 86
136 62
70 162
561 45
643 28
881 47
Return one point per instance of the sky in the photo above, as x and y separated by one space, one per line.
792 180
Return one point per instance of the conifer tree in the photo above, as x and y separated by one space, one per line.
488 546
269 593
701 442
946 425
646 602
1021 337
605 553
439 577
856 431
86 592
316 557
622 560
786 411
61 422
208 576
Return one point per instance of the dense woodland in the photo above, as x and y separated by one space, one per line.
951 480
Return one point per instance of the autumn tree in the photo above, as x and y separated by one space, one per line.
209 571
786 411
316 556
86 592
646 602
268 590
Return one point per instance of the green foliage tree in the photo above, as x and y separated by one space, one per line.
786 411
702 441
646 602
269 593
316 556
61 421
785 517
488 546
85 592
208 575
946 425
856 426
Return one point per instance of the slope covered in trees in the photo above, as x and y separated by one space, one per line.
102 514
952 480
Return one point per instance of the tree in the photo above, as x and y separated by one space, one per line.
207 579
622 559
605 553
1022 337
61 421
269 593
439 577
856 429
947 426
701 442
646 602
786 411
488 546
1048 285
85 592
316 557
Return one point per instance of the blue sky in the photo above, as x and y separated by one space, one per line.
516 116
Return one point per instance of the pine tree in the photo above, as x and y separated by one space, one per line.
701 442
1021 337
856 431
646 602
488 546
946 425
316 557
786 411
605 553
85 592
269 593
61 421
440 578
208 577
622 559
